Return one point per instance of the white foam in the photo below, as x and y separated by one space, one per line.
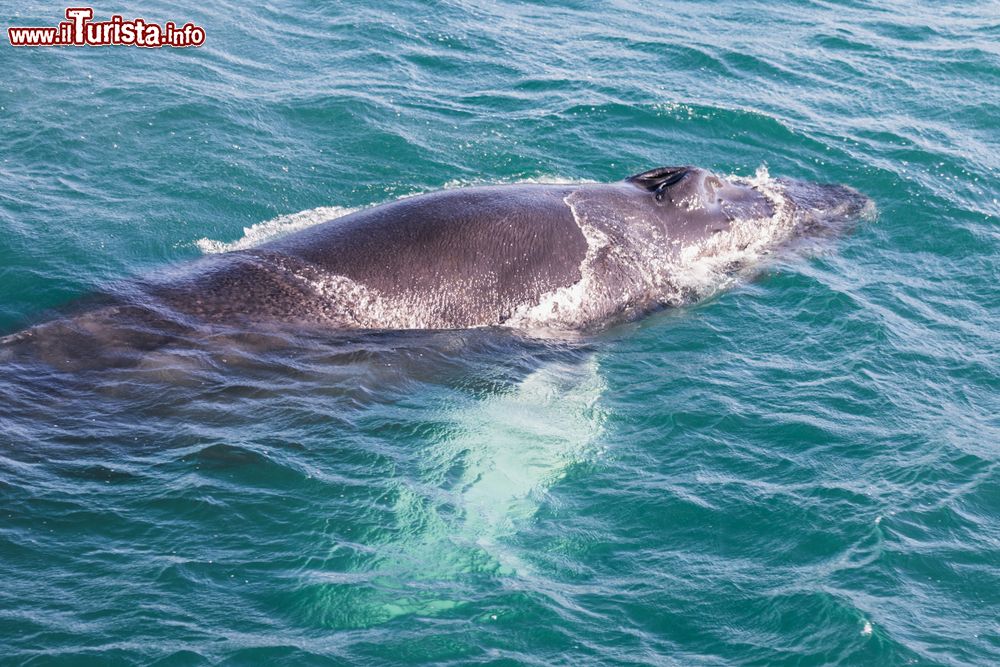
710 265
261 232
543 179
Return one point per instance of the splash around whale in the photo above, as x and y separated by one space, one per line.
525 256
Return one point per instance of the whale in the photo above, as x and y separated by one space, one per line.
570 256
529 256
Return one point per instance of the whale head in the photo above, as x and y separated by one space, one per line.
699 200
675 235
695 203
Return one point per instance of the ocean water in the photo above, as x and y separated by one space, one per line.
802 469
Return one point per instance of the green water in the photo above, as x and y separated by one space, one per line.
800 470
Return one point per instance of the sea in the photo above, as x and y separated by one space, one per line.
801 468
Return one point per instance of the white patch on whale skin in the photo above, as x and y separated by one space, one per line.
350 304
562 307
640 269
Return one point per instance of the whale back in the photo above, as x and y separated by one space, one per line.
454 258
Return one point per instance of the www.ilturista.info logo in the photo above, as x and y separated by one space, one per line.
79 30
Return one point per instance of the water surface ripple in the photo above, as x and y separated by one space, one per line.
802 470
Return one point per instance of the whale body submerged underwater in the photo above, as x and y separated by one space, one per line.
523 256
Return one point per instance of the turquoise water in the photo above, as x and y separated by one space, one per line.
804 469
